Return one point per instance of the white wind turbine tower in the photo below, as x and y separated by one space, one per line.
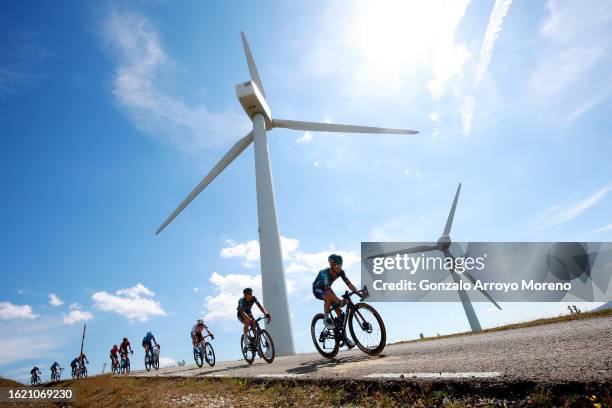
252 98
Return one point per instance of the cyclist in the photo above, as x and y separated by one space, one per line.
54 367
83 359
245 315
196 333
113 356
73 365
321 288
35 372
124 346
147 342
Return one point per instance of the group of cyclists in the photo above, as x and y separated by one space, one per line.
321 289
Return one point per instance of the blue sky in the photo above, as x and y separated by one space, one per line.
111 113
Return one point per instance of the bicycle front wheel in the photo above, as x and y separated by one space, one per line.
247 351
209 354
266 346
323 338
147 362
367 329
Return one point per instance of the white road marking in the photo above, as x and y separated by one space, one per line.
279 375
477 374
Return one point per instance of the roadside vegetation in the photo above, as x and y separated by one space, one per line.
107 391
532 323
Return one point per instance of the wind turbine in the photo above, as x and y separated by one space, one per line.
252 96
443 245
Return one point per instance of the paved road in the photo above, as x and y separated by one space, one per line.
553 353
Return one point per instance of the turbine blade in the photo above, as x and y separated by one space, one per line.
451 215
219 167
484 292
251 63
415 250
333 127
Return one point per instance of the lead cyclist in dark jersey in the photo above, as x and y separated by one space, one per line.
321 287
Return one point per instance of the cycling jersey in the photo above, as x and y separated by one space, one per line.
146 340
325 279
123 347
114 352
246 305
34 370
54 367
74 362
197 331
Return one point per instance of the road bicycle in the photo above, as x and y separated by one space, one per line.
56 375
151 358
35 379
365 325
82 370
115 367
124 366
204 351
257 341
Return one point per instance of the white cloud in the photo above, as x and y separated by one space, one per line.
10 311
567 210
74 306
467 114
603 229
496 19
248 251
575 45
75 316
300 266
54 300
135 303
198 289
305 138
222 306
137 86
20 60
434 116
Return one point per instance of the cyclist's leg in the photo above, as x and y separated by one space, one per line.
330 298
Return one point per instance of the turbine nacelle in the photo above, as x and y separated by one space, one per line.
253 101
444 242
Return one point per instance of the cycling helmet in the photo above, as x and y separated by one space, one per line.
335 259
200 322
247 290
149 334
115 347
125 339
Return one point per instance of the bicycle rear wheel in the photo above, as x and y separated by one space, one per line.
209 354
323 338
367 329
247 351
266 346
156 362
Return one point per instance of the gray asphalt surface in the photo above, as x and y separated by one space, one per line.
574 351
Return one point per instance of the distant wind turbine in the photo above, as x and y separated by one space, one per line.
251 95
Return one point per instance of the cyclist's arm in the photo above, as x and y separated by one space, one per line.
259 305
348 282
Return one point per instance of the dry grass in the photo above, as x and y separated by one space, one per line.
108 391
538 322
